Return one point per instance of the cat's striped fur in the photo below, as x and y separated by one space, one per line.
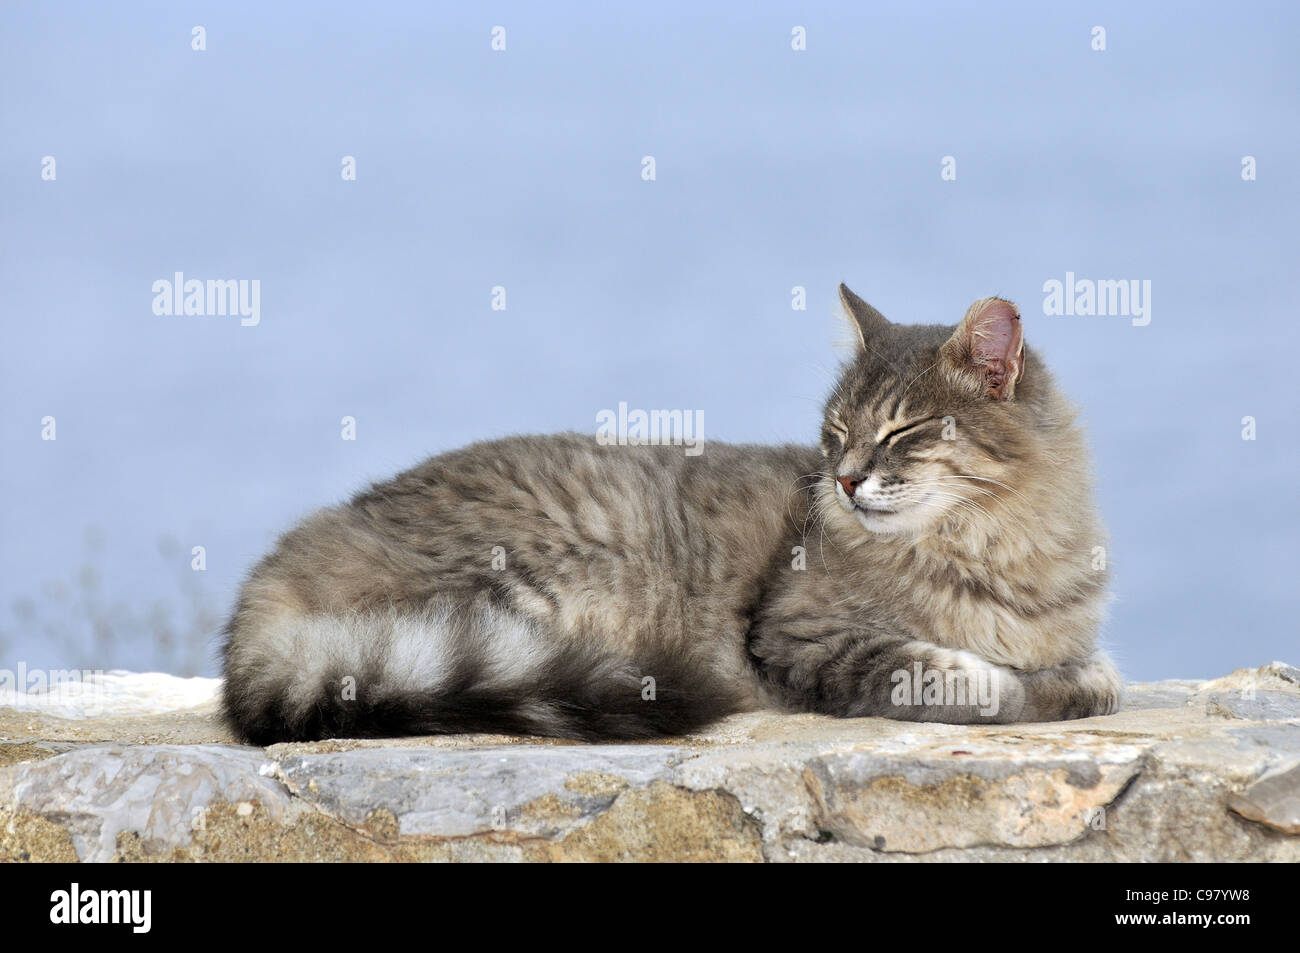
554 586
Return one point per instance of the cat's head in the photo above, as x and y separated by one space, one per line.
934 423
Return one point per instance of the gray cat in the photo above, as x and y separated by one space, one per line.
932 560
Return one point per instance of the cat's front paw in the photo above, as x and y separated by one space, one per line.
1074 690
1101 685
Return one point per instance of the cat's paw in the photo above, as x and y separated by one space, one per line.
1101 684
1074 690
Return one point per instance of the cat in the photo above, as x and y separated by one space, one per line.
932 559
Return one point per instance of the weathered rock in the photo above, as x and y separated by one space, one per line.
1188 771
528 791
160 792
1273 800
1261 706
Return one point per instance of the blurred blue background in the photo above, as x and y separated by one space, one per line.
522 168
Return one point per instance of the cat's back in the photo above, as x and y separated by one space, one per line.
574 472
561 508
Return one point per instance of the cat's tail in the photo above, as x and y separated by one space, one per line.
450 669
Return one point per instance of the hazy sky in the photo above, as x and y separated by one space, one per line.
523 168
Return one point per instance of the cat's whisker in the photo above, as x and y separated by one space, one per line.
960 501
971 476
947 495
813 480
815 514
797 488
818 511
1006 514
954 512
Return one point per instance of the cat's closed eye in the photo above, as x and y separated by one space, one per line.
897 432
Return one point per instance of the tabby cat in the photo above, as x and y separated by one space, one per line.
931 560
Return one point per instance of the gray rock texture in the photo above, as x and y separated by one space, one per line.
1189 770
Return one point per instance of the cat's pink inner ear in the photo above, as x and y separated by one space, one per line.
995 341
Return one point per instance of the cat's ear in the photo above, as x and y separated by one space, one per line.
987 351
867 321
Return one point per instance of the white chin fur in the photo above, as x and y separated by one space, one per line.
913 517
888 523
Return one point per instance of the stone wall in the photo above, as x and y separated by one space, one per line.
1187 771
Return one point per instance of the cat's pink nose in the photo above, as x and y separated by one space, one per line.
850 484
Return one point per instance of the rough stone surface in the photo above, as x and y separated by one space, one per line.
1189 770
1273 800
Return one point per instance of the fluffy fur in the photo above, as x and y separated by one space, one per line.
931 560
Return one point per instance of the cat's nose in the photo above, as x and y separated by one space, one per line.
851 483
